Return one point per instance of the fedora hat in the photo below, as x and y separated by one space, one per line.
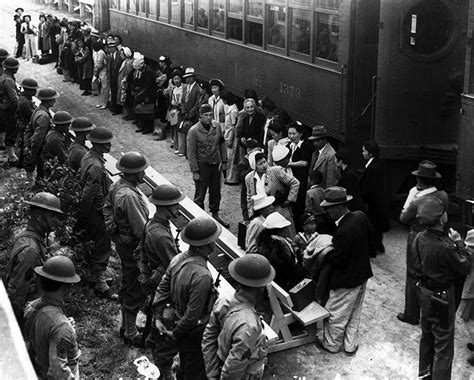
261 201
319 132
335 195
275 220
201 231
190 72
426 169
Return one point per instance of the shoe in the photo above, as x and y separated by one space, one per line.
102 107
138 130
176 151
220 221
116 112
401 317
470 346
320 345
351 353
98 105
181 154
107 294
86 93
66 80
147 131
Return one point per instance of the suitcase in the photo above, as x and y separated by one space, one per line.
241 234
45 59
302 294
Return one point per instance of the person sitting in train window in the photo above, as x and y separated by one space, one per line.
277 135
303 41
325 48
276 36
252 123
218 20
203 19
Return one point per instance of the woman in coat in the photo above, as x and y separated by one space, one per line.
251 123
230 122
271 181
86 65
125 69
100 73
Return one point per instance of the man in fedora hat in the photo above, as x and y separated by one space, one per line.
187 287
20 37
440 259
30 250
51 336
190 99
426 176
262 207
234 344
324 157
354 244
36 130
81 126
95 187
114 61
126 213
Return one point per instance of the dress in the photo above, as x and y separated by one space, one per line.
231 114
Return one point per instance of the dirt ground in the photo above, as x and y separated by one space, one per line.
388 348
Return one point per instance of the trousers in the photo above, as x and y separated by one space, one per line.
130 294
437 341
342 326
30 44
412 304
8 125
210 179
190 355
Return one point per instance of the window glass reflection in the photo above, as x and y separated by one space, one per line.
255 8
328 4
235 28
276 26
236 6
203 14
218 14
176 10
189 12
300 31
164 9
327 37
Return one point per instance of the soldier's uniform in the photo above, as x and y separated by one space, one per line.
95 187
76 152
28 252
8 105
56 144
51 340
439 260
26 107
35 135
241 349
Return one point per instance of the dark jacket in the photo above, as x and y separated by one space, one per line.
190 103
252 130
353 244
350 181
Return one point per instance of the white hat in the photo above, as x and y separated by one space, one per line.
127 52
279 152
252 155
261 201
189 72
469 240
275 220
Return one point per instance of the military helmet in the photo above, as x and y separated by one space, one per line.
430 211
11 63
201 231
100 135
3 54
81 124
166 195
252 270
132 162
46 201
29 83
47 93
60 269
62 117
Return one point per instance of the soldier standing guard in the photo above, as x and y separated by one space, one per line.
234 343
95 187
36 131
8 106
29 251
3 55
438 260
81 126
50 336
126 214
26 107
187 292
57 141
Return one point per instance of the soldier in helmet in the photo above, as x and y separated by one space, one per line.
234 343
25 109
51 336
126 213
95 187
439 258
36 131
3 55
8 106
29 251
81 126
187 287
57 141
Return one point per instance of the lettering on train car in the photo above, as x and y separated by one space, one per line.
290 90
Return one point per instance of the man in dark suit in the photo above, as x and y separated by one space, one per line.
114 61
190 99
353 244
323 159
374 192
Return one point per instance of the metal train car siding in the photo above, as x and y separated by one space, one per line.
388 69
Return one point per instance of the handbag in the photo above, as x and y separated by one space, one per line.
59 70
145 111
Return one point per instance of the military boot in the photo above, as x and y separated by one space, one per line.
12 157
131 335
103 290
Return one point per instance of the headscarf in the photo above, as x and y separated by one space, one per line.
252 162
127 52
138 61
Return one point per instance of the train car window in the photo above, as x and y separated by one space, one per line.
328 4
428 27
142 7
327 37
236 7
123 5
254 22
235 28
189 12
255 8
276 24
217 16
132 8
300 32
152 8
306 3
163 10
203 14
114 4
176 11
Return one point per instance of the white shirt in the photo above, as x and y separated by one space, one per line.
368 162
415 193
265 129
339 220
294 146
260 183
